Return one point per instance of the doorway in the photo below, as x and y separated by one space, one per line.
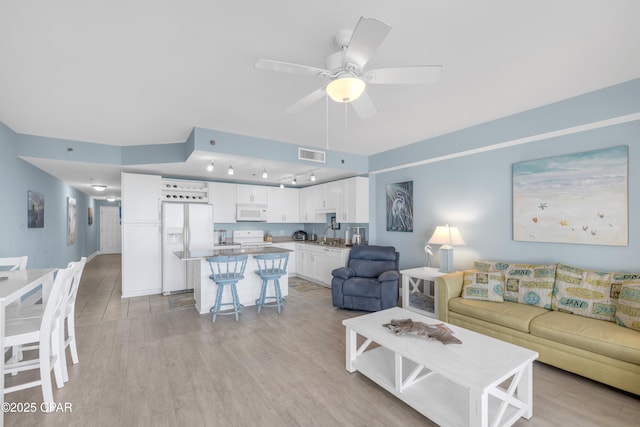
110 235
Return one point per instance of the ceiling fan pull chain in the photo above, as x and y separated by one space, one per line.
326 109
346 115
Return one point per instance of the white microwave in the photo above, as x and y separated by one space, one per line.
251 212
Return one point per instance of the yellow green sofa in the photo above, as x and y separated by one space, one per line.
596 349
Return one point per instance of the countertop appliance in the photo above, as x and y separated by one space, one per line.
358 236
185 227
250 239
299 235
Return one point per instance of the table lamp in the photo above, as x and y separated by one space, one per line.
447 237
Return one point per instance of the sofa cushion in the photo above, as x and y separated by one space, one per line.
509 314
583 292
483 265
483 285
530 284
594 335
628 307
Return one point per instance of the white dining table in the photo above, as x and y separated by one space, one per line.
17 284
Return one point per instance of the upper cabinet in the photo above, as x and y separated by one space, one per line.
222 196
353 200
140 197
308 205
251 194
283 205
325 197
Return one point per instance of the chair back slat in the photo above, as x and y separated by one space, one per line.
227 268
272 264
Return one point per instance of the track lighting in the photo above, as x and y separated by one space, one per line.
210 167
230 170
265 175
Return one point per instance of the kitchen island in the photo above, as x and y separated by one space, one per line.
204 289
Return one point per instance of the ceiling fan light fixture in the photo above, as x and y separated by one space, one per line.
346 89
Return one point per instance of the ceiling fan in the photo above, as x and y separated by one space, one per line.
345 69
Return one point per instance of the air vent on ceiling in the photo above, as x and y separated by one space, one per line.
313 155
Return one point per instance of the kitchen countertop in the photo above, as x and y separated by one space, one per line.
229 252
315 243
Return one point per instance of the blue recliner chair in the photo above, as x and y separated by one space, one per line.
370 280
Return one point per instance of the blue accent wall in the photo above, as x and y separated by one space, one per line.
460 185
47 246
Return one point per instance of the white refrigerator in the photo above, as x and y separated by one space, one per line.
185 227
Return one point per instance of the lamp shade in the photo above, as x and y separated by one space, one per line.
445 235
345 89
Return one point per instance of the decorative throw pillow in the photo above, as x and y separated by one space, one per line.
483 285
530 284
482 265
584 292
628 306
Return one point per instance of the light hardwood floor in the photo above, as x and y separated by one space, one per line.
143 363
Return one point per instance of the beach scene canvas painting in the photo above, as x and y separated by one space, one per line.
576 198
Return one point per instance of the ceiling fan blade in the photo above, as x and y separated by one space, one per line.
364 106
365 41
419 74
314 96
287 67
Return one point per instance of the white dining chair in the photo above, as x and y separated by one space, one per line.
69 318
67 340
14 263
43 333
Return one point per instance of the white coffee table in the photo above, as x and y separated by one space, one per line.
454 385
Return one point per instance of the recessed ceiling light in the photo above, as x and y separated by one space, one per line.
210 167
265 175
230 170
294 181
313 177
98 187
281 185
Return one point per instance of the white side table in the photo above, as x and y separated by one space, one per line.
421 281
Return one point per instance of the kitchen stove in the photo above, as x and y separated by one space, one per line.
250 239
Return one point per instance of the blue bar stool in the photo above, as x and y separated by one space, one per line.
227 270
271 267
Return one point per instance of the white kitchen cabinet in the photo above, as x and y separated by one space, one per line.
251 194
223 196
283 205
316 262
309 207
140 197
291 263
353 200
325 197
141 259
141 250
